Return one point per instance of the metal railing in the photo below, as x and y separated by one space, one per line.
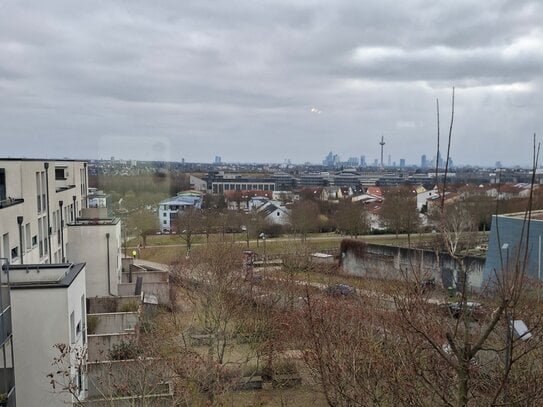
4 203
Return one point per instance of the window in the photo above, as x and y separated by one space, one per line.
72 327
34 241
2 184
38 191
60 174
5 244
164 222
14 252
83 318
164 214
28 237
43 188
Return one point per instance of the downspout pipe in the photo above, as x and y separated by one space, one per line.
49 230
60 204
21 249
74 211
108 268
86 189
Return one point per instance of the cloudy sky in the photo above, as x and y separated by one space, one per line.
263 81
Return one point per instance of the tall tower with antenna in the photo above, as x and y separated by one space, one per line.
382 144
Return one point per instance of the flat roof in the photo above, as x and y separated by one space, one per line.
41 159
535 215
94 222
37 276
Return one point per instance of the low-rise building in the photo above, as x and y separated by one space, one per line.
47 306
96 239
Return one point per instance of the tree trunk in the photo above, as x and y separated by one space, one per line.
463 384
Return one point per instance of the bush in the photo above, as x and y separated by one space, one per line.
129 306
285 367
124 351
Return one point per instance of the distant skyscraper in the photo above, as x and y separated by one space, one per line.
328 160
389 160
362 160
498 164
439 161
376 162
218 159
353 161
423 161
402 162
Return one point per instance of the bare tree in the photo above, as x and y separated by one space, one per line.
187 224
399 210
304 217
351 218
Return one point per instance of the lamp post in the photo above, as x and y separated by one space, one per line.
505 246
244 229
21 249
263 237
74 210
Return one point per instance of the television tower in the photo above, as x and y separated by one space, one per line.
382 144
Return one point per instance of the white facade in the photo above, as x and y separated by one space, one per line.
197 184
96 239
37 328
169 209
275 213
33 190
424 197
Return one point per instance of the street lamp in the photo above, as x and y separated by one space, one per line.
263 237
505 246
244 229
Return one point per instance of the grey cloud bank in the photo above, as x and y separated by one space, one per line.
193 79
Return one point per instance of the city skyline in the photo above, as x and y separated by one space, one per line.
266 82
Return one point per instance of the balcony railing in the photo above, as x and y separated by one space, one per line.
10 202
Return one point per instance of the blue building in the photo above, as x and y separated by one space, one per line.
509 238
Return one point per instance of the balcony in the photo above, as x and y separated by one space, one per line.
4 203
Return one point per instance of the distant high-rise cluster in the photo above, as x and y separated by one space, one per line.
218 159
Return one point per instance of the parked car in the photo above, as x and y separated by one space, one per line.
473 309
340 290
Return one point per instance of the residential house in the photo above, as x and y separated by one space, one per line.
275 213
169 209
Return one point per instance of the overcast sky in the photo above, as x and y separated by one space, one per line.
263 81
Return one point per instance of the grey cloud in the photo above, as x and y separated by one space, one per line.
238 78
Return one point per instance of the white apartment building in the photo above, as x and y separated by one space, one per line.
46 227
169 209
38 198
47 306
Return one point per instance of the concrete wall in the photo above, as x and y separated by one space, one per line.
100 345
382 261
97 305
41 319
89 243
160 290
114 322
148 276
